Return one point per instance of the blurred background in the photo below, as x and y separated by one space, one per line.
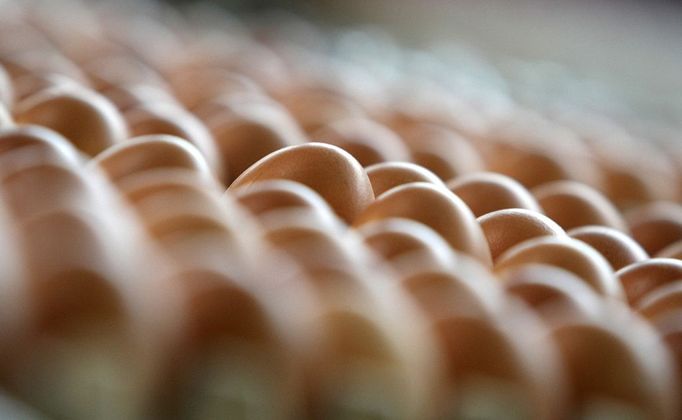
626 51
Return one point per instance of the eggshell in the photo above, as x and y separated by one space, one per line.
673 250
618 248
247 134
570 254
369 142
485 192
505 228
328 170
617 367
551 291
442 151
97 126
148 153
437 208
38 137
167 118
572 204
386 175
656 225
642 278
662 301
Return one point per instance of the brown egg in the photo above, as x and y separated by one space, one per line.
85 118
196 86
572 204
662 302
673 250
551 291
570 254
467 290
230 338
617 367
127 97
148 153
29 84
167 118
529 166
499 368
387 175
361 368
485 192
618 248
642 278
669 327
437 208
36 137
442 151
272 199
246 134
44 188
656 225
505 228
328 170
398 240
314 108
369 142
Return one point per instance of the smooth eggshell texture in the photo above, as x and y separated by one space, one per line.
396 238
387 175
244 137
529 167
572 204
594 354
442 151
164 118
435 207
85 118
673 250
618 248
506 228
272 198
5 117
569 254
330 171
195 86
149 153
485 192
551 291
662 301
369 142
38 137
641 278
656 225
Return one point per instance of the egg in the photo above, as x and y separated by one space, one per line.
618 248
406 244
662 302
505 228
442 151
569 254
166 118
98 125
435 207
644 277
368 141
595 351
673 250
37 137
246 134
656 225
386 175
146 153
485 192
329 170
572 204
551 291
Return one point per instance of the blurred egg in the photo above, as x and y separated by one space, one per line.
618 248
485 192
386 175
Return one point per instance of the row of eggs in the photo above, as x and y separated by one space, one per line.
175 245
